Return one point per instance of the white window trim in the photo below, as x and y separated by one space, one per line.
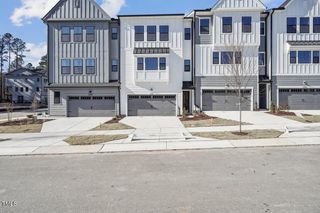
264 59
210 28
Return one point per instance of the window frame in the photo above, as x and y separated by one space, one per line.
316 27
155 61
151 33
223 53
201 27
91 37
77 37
236 55
140 63
88 67
114 65
304 25
244 25
293 58
162 63
63 67
56 97
316 59
114 35
187 65
294 26
302 61
224 29
187 35
164 36
263 23
65 35
215 60
264 59
77 69
139 36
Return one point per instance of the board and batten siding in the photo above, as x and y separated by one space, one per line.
98 50
281 47
240 4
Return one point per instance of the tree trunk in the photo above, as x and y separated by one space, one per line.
240 112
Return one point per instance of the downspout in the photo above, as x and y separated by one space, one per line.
194 58
119 64
271 50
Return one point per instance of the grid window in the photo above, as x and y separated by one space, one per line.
262 28
293 57
246 24
57 98
262 59
114 33
90 66
163 63
304 57
114 65
90 34
226 57
151 33
216 57
227 24
77 66
151 63
140 64
187 65
187 34
139 33
238 57
65 66
316 25
204 26
304 25
291 25
77 34
315 59
65 34
164 33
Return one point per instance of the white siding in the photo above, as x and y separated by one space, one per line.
239 4
187 50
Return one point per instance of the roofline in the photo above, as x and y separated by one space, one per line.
152 15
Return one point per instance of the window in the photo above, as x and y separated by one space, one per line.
187 65
140 64
304 25
187 34
77 4
56 98
90 66
204 26
38 79
315 59
226 57
151 63
114 65
27 89
227 24
17 89
238 57
77 37
316 25
262 59
164 33
151 33
114 33
90 34
304 57
38 89
139 33
21 89
291 25
246 24
262 28
77 66
216 57
163 63
65 66
293 57
65 34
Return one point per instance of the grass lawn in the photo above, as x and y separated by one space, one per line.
22 126
304 119
252 134
93 139
114 124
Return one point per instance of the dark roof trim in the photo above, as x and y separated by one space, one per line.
304 43
58 86
151 51
150 15
284 4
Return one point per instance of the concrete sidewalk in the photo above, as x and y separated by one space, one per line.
161 146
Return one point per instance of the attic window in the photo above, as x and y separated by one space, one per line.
77 3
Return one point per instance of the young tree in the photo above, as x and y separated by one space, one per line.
241 67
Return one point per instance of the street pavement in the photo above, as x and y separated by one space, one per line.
230 180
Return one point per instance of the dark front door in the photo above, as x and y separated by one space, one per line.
263 96
186 101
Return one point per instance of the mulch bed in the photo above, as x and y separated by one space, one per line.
240 133
115 120
24 122
283 113
199 117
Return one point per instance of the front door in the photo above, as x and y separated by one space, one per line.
262 96
186 102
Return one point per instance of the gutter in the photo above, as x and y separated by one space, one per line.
271 50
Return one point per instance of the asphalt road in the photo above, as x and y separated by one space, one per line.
233 180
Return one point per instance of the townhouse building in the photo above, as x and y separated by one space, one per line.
173 64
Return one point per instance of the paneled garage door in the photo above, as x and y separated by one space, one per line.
83 106
224 100
152 105
299 99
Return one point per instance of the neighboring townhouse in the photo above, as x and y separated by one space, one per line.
23 86
156 65
227 33
83 58
295 55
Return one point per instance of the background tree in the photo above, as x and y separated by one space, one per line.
43 64
3 59
241 67
8 40
29 66
18 48
16 63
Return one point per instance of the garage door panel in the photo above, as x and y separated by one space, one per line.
151 106
299 99
222 100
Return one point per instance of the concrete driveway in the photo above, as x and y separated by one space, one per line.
156 127
255 118
73 124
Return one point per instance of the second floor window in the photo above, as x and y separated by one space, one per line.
226 57
204 26
90 66
27 89
262 59
65 34
246 24
139 33
291 25
90 34
77 66
293 57
164 33
262 28
151 63
151 33
304 57
114 65
65 66
114 33
38 89
187 65
187 34
140 64
163 63
227 25
304 25
77 34
315 59
216 57
316 25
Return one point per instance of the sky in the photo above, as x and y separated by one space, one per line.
22 18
